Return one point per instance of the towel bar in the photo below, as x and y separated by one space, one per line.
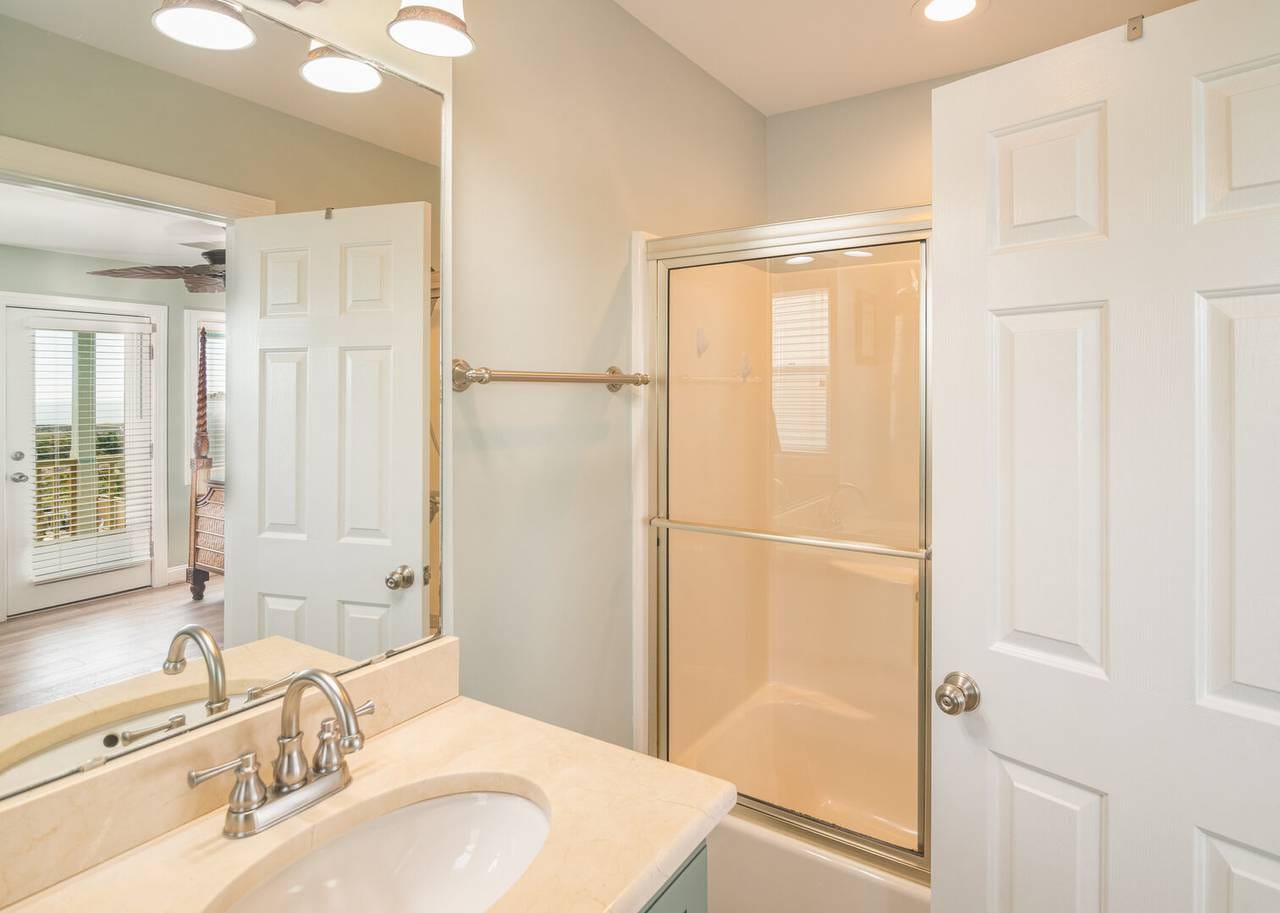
464 376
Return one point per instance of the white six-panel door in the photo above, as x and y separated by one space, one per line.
1106 476
326 426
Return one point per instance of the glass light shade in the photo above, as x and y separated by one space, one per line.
435 27
326 68
799 261
217 25
949 10
858 253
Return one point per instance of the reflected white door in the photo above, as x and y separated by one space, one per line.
1106 446
79 468
326 427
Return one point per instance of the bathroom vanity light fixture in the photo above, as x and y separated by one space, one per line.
329 68
948 10
799 261
217 25
436 27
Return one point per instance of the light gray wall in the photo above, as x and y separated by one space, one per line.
574 125
69 95
46 273
859 154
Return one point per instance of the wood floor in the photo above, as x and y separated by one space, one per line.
55 653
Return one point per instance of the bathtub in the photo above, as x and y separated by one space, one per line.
755 867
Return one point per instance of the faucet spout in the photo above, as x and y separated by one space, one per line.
291 767
175 662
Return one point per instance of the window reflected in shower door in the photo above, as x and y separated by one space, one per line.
794 558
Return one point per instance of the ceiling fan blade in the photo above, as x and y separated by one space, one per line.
142 272
202 284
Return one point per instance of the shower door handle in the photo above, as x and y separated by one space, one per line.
957 694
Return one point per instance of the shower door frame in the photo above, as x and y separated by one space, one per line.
783 240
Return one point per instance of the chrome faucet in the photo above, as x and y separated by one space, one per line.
252 807
290 768
175 662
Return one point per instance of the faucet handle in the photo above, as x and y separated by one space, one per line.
248 793
329 751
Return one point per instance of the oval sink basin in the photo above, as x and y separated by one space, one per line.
455 854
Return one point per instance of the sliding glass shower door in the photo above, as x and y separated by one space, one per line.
793 562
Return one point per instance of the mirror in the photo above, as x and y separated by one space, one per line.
221 352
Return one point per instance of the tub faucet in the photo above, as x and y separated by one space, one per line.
175 662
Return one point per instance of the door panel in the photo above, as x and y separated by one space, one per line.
1106 338
78 475
327 323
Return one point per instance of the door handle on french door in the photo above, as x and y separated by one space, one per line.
957 694
400 579
19 477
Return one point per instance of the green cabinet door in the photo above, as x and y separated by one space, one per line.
686 892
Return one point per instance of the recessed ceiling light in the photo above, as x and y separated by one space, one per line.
858 253
330 69
217 25
436 27
948 10
799 261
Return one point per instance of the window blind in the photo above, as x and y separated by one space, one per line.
91 506
801 367
215 350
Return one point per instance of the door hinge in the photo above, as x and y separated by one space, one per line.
153 548
151 351
1134 31
426 574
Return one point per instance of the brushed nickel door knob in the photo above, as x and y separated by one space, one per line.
19 477
957 694
400 579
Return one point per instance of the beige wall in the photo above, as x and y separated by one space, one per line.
574 126
859 154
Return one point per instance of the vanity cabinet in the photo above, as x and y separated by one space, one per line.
686 892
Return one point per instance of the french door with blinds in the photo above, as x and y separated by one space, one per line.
78 474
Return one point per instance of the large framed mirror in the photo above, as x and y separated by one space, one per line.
220 365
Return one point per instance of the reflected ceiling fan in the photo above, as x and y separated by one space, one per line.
210 276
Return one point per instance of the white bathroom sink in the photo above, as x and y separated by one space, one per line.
455 854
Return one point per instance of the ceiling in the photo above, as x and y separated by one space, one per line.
397 115
54 220
783 56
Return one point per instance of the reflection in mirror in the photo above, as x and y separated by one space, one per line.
219 270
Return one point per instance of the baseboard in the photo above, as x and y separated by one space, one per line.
177 574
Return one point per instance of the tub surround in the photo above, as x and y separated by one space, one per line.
621 824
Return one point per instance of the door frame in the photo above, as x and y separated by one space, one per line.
652 262
158 314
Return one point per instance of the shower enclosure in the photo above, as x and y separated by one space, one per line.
792 517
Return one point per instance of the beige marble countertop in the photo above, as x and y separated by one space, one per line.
621 823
